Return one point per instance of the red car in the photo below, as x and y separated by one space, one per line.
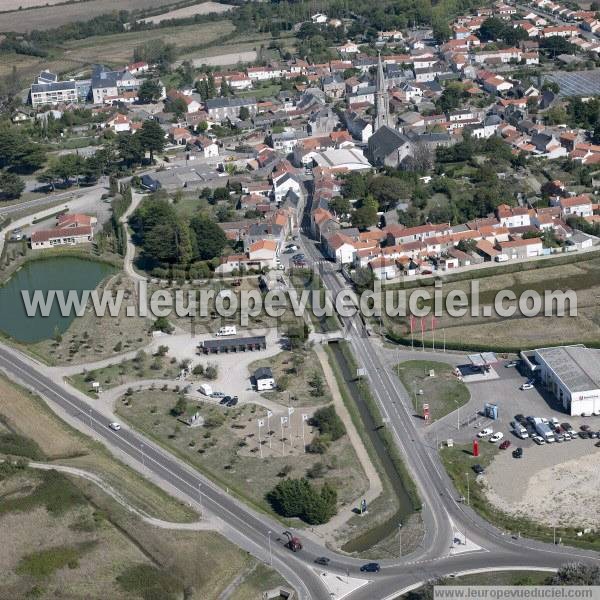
504 445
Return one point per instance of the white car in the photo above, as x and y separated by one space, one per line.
485 432
114 426
539 440
496 437
526 386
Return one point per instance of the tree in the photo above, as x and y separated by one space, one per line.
328 423
316 383
149 91
492 29
366 214
11 186
152 137
210 239
180 407
130 148
340 206
178 106
244 113
577 574
298 498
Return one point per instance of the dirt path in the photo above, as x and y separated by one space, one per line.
207 524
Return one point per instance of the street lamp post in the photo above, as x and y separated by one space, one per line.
400 538
468 498
200 501
270 553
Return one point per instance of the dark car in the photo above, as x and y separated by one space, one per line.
478 469
225 400
233 401
520 418
584 435
566 426
371 568
530 420
585 428
518 453
504 445
322 560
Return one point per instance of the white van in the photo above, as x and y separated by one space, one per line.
229 330
501 258
205 389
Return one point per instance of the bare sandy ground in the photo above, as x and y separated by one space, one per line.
189 11
556 484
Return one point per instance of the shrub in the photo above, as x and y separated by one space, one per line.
211 371
328 423
318 446
298 498
198 370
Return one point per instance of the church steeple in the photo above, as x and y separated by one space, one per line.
382 101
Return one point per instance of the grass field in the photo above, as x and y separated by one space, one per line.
65 538
26 415
443 392
47 17
518 331
226 447
117 49
203 8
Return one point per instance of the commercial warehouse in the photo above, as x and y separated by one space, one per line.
571 373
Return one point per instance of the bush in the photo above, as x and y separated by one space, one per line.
318 446
316 471
180 407
214 420
329 423
211 371
298 498
162 324
198 370
162 350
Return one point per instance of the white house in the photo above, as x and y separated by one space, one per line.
580 206
383 268
264 379
67 236
209 147
284 184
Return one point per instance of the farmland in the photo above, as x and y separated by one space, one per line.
189 11
48 17
117 49
518 331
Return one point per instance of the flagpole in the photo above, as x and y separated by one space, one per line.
259 442
269 427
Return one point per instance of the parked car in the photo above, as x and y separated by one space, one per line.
559 438
217 395
585 428
518 453
504 445
233 401
322 560
478 469
371 567
566 436
510 363
567 427
539 440
485 432
225 400
115 426
520 418
496 437
526 386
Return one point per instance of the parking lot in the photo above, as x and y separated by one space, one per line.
505 393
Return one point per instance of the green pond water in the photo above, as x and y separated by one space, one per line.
61 273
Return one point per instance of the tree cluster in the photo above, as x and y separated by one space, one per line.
298 498
329 424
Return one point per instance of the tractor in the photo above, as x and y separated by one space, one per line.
293 543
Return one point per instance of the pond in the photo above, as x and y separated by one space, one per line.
61 273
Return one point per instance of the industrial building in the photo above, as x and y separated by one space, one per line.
571 373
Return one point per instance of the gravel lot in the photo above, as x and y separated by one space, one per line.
555 483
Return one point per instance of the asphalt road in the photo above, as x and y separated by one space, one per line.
250 529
